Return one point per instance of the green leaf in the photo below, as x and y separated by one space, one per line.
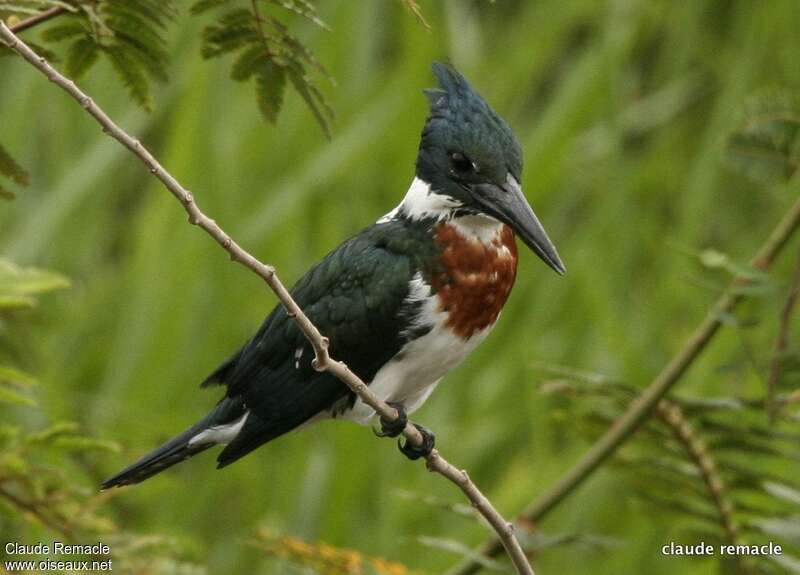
155 14
788 528
13 463
788 562
130 72
13 397
234 30
7 194
206 5
304 9
11 169
270 86
782 492
19 9
141 44
16 378
81 55
65 31
768 144
54 431
19 285
303 87
248 63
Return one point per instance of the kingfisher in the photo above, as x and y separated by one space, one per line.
402 302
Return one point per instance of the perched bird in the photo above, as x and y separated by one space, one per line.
402 302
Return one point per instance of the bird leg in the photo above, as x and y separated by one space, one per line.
396 427
414 452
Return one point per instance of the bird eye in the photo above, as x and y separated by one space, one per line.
461 163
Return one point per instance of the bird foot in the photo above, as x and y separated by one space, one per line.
396 427
414 452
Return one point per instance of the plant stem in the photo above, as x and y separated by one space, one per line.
37 19
781 343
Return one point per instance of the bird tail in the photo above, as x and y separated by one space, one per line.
219 426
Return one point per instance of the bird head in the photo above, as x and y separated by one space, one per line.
470 155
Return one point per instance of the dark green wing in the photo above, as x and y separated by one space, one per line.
356 296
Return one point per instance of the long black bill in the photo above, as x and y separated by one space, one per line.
507 203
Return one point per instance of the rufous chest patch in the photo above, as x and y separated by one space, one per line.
475 277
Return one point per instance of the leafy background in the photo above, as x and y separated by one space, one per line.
653 132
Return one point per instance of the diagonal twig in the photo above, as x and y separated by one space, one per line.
639 410
323 361
46 15
781 343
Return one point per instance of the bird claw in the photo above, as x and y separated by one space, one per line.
396 427
414 452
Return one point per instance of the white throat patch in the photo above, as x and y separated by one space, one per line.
421 202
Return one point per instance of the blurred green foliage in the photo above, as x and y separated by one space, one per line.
632 115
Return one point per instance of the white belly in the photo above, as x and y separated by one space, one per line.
410 377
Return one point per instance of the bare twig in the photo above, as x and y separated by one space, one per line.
323 361
37 19
781 343
414 8
34 510
639 410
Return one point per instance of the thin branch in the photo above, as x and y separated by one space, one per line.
639 410
37 19
782 343
322 361
414 8
34 510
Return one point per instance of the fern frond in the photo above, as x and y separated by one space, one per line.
270 85
66 31
714 462
131 73
142 43
305 9
267 52
228 37
207 5
312 98
248 63
81 55
768 142
152 13
11 169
